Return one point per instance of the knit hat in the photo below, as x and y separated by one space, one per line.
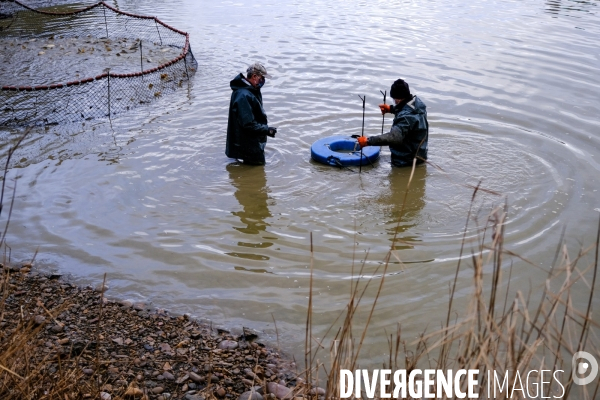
400 90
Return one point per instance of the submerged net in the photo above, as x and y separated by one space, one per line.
90 63
53 3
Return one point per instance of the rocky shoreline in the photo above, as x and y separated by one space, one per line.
118 349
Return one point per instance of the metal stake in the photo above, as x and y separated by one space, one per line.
109 94
186 69
141 57
158 32
105 23
362 133
383 116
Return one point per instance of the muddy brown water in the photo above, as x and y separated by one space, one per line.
150 199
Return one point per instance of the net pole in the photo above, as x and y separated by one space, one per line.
141 57
105 23
362 133
157 30
383 117
186 68
108 95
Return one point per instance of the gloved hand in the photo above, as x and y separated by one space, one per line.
385 108
272 132
362 141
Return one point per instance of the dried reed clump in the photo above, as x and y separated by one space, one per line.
31 367
24 366
496 332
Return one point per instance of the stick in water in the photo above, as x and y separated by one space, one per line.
383 114
362 133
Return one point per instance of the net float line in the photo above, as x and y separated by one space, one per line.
88 97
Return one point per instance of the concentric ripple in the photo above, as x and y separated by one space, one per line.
511 90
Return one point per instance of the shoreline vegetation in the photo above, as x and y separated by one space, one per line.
60 341
495 330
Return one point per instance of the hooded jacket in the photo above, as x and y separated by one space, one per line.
247 125
409 134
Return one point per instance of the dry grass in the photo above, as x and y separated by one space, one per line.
27 369
496 331
24 372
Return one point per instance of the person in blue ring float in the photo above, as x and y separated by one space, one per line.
247 128
410 131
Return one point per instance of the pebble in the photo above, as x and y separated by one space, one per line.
195 377
250 374
101 288
280 391
250 395
258 389
169 376
196 335
228 345
126 303
164 347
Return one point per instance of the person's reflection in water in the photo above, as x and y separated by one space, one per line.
403 216
253 194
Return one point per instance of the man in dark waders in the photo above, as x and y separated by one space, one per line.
247 128
410 131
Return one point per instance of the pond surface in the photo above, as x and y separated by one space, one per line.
512 91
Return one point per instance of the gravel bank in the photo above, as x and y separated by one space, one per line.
116 349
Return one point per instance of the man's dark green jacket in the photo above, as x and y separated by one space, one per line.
247 126
409 134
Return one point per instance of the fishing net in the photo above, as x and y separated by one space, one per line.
95 62
52 3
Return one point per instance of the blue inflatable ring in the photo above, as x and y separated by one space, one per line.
342 151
